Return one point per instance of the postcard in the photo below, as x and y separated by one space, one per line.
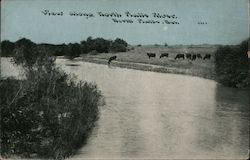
132 79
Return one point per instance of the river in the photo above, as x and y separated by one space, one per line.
156 115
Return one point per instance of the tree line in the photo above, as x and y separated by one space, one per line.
232 65
71 50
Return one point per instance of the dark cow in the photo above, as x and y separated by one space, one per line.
207 56
193 57
179 56
151 55
164 55
111 59
188 56
199 56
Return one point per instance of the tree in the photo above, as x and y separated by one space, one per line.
74 50
89 44
101 45
117 47
25 52
121 41
24 42
232 65
7 48
84 47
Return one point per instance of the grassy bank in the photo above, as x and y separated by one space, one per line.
48 114
228 65
138 59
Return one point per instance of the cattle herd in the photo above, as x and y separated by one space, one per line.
182 56
178 56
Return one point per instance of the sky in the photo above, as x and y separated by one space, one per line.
227 21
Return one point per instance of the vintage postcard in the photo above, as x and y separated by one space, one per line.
131 79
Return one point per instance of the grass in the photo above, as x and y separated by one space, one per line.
138 59
47 115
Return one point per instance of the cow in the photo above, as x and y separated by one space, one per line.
111 59
164 55
207 56
188 56
199 56
151 55
193 57
179 56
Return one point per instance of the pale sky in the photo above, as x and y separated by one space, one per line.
227 21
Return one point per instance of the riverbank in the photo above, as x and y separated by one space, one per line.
47 114
136 58
203 72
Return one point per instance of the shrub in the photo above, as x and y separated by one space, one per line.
48 114
232 65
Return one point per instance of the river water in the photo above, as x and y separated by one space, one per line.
156 115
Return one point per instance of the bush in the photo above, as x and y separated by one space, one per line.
47 114
232 65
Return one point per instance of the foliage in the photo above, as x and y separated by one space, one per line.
232 65
71 50
121 41
117 47
26 53
100 45
48 114
74 50
7 48
60 50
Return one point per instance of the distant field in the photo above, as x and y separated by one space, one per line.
198 67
